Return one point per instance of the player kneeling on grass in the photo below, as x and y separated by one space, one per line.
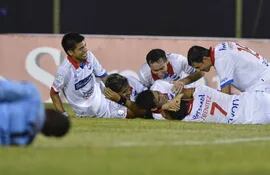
124 90
204 104
235 65
23 115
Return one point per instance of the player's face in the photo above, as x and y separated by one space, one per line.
80 51
205 65
159 98
159 68
126 92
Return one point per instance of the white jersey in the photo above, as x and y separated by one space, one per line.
82 91
210 105
240 66
178 68
137 87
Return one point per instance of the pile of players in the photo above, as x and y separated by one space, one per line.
161 91
168 88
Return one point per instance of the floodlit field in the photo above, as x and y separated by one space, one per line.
113 146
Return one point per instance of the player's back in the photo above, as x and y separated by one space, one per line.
210 105
22 115
239 64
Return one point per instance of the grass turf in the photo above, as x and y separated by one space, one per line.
115 146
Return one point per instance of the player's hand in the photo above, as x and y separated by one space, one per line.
174 104
177 86
110 94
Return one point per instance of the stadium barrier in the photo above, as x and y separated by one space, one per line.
35 57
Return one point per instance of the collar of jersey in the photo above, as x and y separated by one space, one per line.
212 55
76 64
169 71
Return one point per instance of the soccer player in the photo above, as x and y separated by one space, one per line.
124 90
204 104
235 65
76 78
170 67
23 115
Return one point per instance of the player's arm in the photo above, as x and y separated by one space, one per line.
192 77
57 102
137 112
179 84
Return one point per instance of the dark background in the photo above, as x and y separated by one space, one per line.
212 18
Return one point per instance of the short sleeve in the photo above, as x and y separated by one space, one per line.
225 69
99 71
60 80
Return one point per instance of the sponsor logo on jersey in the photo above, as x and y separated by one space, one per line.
202 111
83 82
235 106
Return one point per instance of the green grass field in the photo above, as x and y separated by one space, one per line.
115 146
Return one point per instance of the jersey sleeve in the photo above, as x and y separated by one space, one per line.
60 80
99 71
180 63
225 69
187 68
136 84
144 75
162 86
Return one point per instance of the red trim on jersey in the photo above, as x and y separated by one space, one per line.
53 91
169 71
75 62
212 55
190 106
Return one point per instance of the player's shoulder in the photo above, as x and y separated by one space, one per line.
64 67
135 83
161 86
144 68
144 72
175 57
225 47
90 56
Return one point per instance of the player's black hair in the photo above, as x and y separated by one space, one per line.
70 40
116 82
146 100
154 55
196 54
56 124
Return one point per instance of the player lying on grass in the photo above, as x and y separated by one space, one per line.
23 115
204 104
76 78
234 64
124 91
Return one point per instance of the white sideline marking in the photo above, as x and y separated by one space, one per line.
191 143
